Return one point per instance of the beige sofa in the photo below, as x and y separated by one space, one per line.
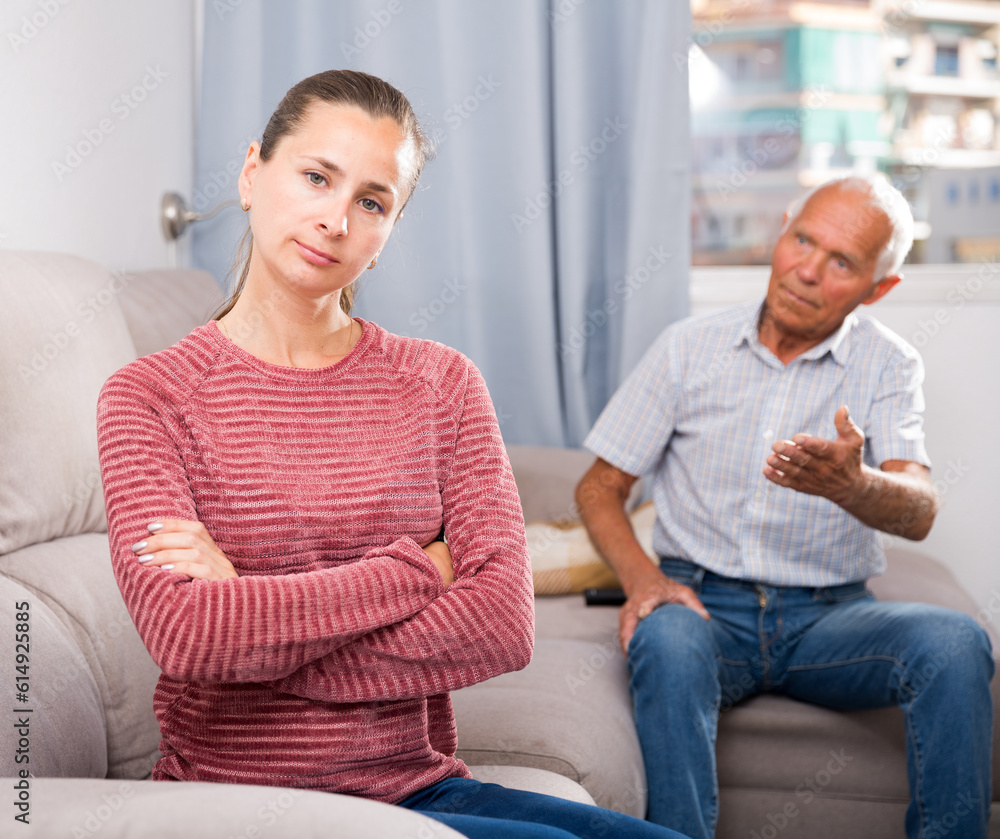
563 722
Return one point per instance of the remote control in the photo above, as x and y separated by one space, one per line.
604 597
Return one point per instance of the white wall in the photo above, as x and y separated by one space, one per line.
112 80
951 313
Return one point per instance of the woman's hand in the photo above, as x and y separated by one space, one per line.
441 557
184 547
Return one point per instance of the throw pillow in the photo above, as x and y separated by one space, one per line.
62 334
563 561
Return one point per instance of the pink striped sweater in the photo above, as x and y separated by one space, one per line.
327 664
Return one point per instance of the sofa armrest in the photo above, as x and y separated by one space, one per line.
57 726
91 678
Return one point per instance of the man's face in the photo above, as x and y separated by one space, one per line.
824 266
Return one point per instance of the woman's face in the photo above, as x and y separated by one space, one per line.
324 204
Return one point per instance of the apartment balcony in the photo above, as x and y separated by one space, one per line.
945 158
934 85
981 12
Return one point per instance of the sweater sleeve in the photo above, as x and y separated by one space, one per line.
483 625
253 628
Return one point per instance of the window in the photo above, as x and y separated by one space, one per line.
769 61
749 62
742 67
987 51
946 61
774 148
714 237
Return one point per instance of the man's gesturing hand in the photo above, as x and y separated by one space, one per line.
830 468
655 590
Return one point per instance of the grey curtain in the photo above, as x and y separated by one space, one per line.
549 240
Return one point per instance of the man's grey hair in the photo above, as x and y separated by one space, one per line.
882 196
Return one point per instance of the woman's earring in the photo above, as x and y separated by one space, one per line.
374 262
245 205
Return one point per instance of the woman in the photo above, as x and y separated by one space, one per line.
278 485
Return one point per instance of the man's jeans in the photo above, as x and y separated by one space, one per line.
834 646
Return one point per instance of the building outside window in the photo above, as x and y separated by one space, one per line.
787 94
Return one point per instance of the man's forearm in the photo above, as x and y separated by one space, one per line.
601 496
602 509
896 502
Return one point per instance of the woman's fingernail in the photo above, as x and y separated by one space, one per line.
167 567
154 527
146 557
138 546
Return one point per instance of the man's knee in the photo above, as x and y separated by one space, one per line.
673 636
949 645
673 667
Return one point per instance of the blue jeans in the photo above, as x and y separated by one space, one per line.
833 646
490 811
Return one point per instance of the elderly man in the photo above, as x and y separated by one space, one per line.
780 436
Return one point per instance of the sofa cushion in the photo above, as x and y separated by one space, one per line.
568 712
788 763
570 618
62 335
66 731
161 307
781 814
773 742
546 480
70 581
